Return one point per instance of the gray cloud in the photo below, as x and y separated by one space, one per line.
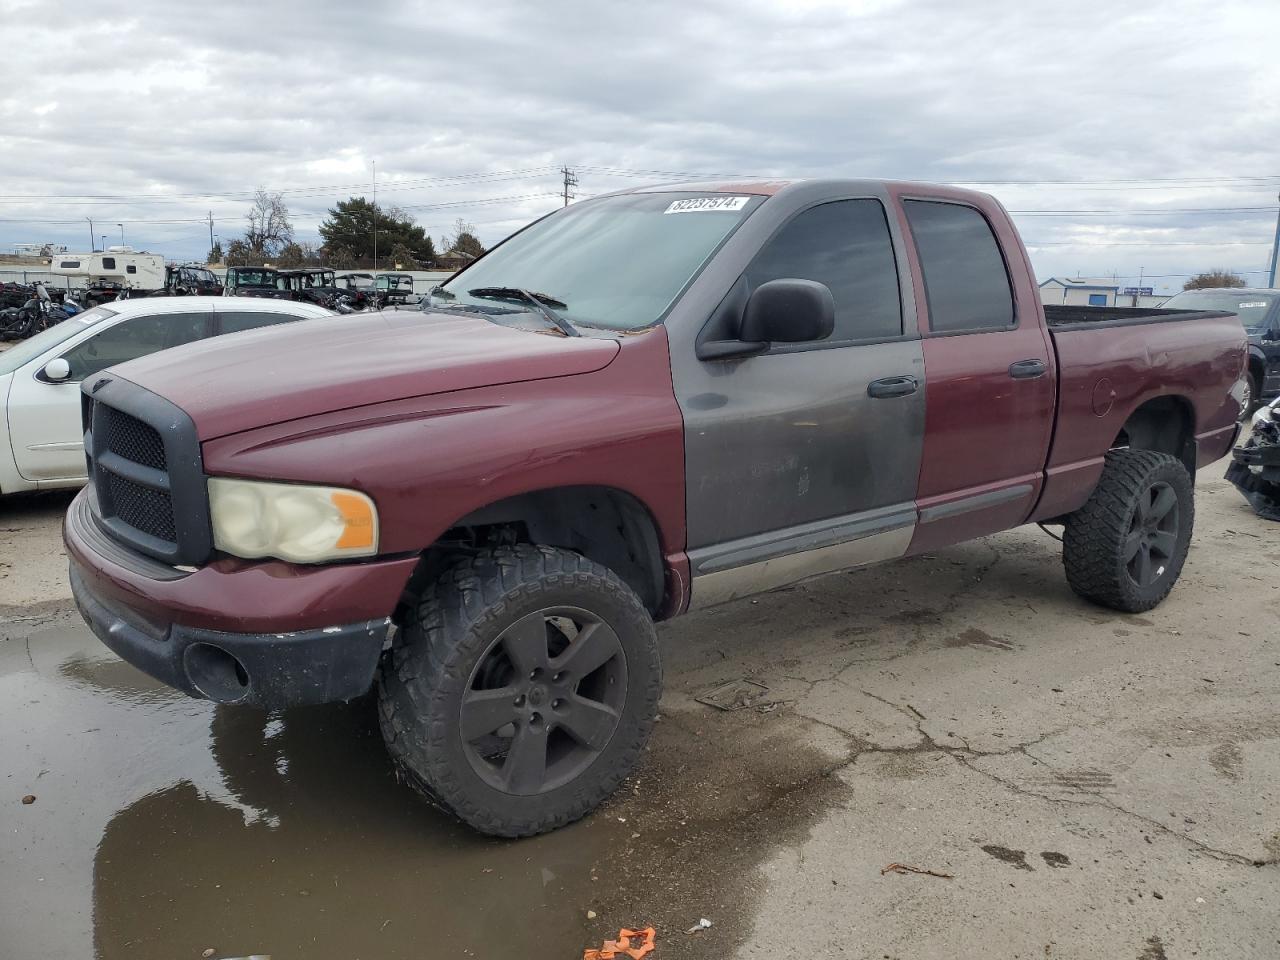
141 99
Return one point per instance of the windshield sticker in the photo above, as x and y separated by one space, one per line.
1251 303
706 204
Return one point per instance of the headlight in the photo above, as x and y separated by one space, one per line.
293 522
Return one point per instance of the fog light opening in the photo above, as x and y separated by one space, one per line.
215 673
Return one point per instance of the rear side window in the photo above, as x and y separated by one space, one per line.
965 279
237 321
108 263
131 269
69 265
845 245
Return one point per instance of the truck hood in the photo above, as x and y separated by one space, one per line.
254 379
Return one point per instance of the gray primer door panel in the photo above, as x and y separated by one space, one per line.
786 439
791 468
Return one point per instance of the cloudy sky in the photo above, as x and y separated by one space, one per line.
1118 118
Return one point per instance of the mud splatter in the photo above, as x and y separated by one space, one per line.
1154 950
1056 860
1078 781
1015 858
914 618
974 637
715 788
1228 760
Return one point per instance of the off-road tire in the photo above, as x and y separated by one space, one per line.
1093 550
425 674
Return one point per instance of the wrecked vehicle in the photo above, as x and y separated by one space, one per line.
249 282
643 404
1255 466
1259 313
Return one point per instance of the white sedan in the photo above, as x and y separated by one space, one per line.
41 443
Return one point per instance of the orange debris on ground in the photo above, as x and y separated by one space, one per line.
611 948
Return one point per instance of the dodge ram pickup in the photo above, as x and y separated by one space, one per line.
640 405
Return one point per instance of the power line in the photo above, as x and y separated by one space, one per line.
1261 180
416 183
483 201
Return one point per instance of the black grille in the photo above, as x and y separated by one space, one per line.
144 464
143 508
134 440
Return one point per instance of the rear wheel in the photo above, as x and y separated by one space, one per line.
521 689
1125 548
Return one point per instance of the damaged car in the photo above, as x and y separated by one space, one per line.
1255 464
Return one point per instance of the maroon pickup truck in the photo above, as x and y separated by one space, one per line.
639 405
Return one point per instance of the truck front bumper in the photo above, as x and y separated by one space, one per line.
271 635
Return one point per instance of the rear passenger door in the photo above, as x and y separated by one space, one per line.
804 459
990 369
234 321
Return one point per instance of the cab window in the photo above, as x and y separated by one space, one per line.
845 245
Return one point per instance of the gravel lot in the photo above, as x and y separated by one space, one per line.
1092 784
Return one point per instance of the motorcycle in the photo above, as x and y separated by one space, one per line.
37 314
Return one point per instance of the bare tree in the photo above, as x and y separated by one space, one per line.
465 241
1217 277
270 228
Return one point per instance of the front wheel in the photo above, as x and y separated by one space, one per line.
1124 549
522 689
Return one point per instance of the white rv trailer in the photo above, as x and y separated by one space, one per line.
115 267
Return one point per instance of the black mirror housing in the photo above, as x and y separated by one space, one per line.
788 311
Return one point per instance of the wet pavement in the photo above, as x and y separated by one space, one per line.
1097 785
164 826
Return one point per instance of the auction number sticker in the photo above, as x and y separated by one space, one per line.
706 204
1251 303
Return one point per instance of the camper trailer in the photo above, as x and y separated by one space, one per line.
107 272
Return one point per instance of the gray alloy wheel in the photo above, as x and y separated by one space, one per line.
521 688
1125 548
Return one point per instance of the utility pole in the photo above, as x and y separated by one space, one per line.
121 226
92 248
375 217
1275 252
570 180
211 231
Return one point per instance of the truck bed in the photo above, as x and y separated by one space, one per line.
1063 317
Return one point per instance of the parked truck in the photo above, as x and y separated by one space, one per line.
641 405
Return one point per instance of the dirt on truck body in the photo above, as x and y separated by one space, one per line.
644 403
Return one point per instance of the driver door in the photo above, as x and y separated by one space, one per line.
44 415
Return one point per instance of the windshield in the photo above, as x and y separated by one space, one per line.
254 278
16 356
617 262
1252 307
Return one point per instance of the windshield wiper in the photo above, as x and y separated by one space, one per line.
541 302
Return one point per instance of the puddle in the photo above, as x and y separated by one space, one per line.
166 826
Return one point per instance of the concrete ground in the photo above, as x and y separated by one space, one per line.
1081 783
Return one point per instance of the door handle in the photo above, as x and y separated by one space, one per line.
892 387
1027 369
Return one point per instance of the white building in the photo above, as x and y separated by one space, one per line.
1079 292
1086 292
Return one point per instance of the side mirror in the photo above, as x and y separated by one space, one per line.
780 311
57 370
788 311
